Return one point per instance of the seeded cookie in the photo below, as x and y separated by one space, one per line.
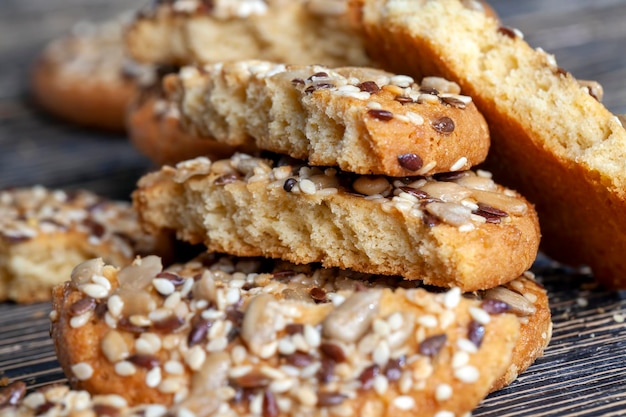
363 120
183 32
85 78
60 401
153 126
226 334
456 229
45 233
552 139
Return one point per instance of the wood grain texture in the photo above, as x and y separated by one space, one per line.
583 372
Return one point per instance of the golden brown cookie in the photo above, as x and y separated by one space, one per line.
245 336
153 126
183 32
457 229
551 139
60 400
45 233
85 78
362 120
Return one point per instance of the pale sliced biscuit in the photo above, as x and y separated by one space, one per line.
552 140
184 32
44 233
362 120
462 230
243 335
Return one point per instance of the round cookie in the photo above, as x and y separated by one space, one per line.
45 233
361 120
244 335
86 79
440 229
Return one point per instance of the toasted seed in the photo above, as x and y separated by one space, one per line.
349 321
410 161
384 115
443 125
519 304
433 344
329 399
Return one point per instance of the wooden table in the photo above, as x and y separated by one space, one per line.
583 372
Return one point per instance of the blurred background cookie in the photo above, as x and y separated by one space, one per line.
86 78
45 233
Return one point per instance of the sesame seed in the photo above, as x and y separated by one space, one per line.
312 336
286 346
427 320
218 344
281 385
153 377
466 345
444 413
460 359
467 374
163 286
452 298
148 344
139 320
80 321
443 392
174 367
195 357
381 327
307 186
381 384
154 410
381 353
115 305
459 164
232 296
306 396
187 286
479 315
256 405
94 290
125 368
82 371
415 118
374 105
100 280
404 402
170 385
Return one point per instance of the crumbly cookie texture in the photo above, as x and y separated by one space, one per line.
362 120
551 139
185 32
456 229
153 126
223 336
45 233
86 78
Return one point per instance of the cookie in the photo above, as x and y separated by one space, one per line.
84 78
461 229
45 233
183 32
551 139
153 126
248 336
362 120
57 400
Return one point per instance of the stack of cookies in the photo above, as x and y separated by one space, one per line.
356 261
